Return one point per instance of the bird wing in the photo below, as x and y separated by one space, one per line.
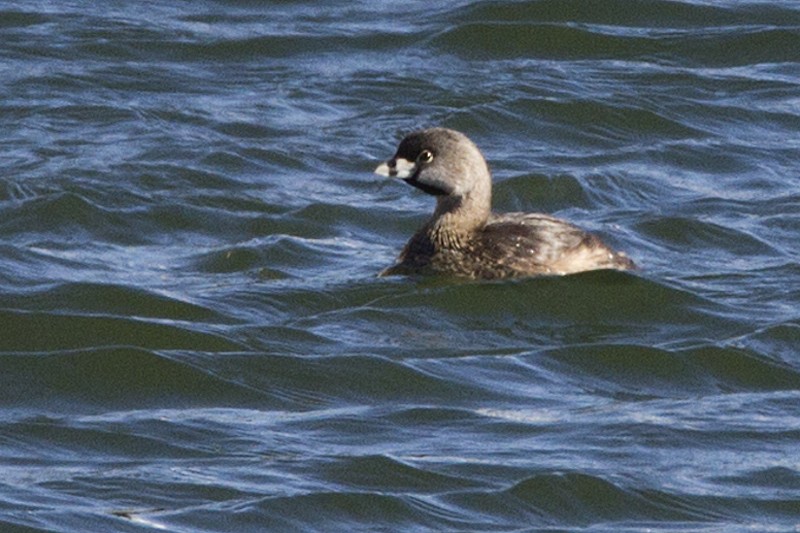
532 241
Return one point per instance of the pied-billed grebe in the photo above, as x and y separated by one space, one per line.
464 238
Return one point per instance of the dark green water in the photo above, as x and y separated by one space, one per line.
193 337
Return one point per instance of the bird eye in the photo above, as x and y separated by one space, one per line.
425 156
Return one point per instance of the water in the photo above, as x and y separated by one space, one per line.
193 336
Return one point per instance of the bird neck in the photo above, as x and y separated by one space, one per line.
456 219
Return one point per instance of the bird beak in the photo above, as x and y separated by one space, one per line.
397 168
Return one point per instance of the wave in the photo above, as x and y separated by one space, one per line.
700 47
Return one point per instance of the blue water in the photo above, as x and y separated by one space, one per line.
193 336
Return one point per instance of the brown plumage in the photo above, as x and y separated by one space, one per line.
464 238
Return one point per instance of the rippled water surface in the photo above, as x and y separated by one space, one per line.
193 337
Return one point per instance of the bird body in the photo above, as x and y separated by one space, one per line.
464 238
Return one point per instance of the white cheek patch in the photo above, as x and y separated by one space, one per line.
403 168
